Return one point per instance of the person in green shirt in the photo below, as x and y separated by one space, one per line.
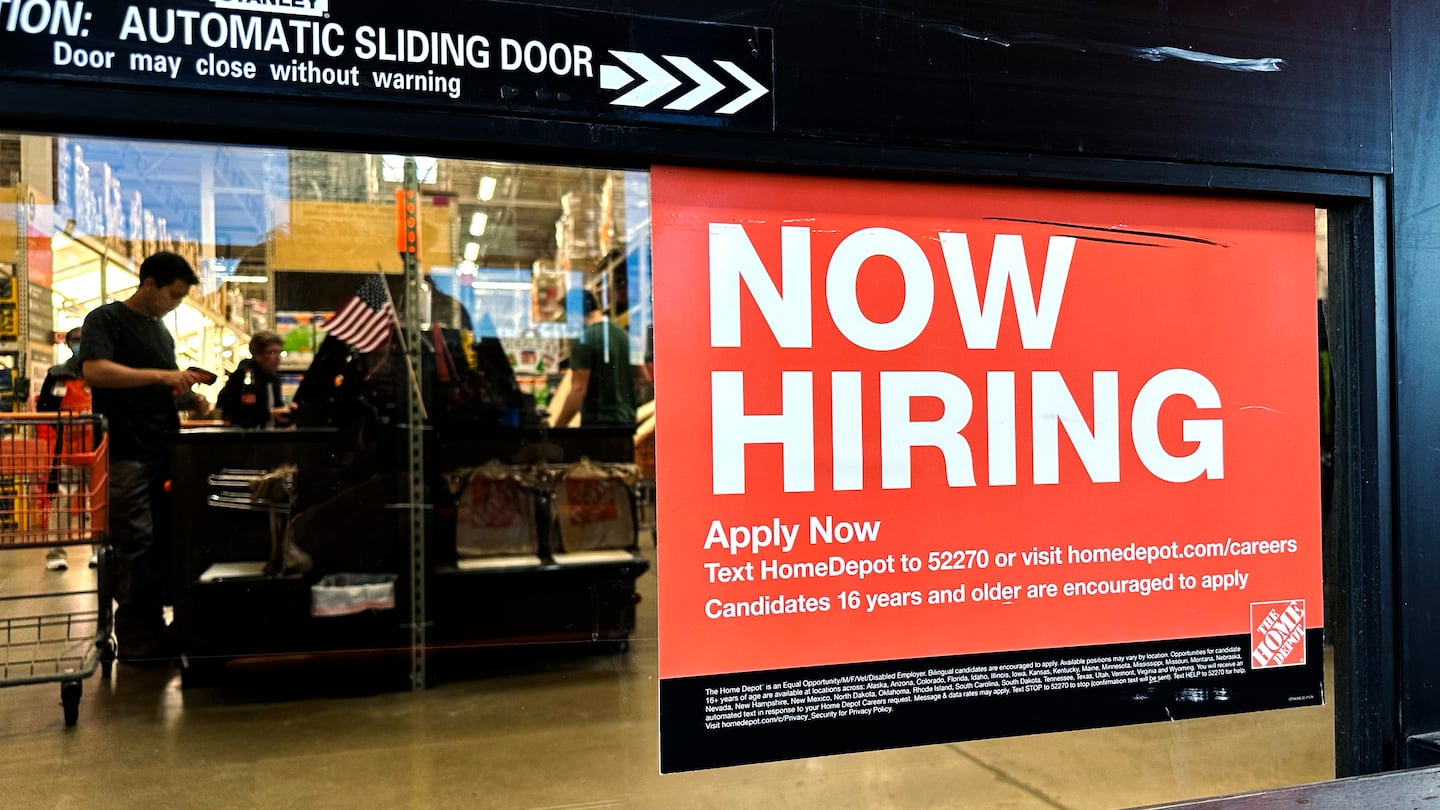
602 381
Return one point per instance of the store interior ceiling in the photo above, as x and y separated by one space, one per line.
520 203
523 208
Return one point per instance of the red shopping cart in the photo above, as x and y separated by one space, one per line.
53 493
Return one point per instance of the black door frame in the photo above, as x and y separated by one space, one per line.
1367 709
1415 393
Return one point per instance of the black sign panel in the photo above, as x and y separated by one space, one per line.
501 57
715 721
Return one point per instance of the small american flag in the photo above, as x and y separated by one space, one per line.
364 320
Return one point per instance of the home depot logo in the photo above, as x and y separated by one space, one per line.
1277 634
297 8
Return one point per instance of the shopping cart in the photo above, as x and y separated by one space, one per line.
54 486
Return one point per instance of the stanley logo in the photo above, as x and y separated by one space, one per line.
292 8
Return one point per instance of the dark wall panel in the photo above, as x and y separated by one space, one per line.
1416 238
1273 83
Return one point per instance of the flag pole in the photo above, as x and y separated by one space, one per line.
404 347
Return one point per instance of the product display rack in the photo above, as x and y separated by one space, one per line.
552 595
227 608
229 614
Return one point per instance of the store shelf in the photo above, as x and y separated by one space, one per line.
79 261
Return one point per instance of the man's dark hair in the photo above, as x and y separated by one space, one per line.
73 334
167 268
591 303
262 339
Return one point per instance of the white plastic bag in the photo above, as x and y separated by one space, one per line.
495 514
346 594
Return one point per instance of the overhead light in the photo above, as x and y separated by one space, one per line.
501 285
227 339
392 169
487 188
472 251
246 279
477 223
468 267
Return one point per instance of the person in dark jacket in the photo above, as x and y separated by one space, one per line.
64 388
65 391
251 397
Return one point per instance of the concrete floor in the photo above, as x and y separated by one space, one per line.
577 732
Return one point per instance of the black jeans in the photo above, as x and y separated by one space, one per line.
140 532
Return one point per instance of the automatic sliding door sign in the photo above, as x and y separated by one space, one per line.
505 58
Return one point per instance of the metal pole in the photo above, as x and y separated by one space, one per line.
21 289
415 437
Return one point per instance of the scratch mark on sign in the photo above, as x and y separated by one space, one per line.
1160 53
1115 229
1105 241
1267 64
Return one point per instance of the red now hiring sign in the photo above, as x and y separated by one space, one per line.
907 420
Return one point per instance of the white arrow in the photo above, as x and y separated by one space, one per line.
657 81
705 84
756 89
613 78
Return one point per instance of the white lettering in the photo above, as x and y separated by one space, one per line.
733 258
1208 457
510 54
793 429
899 435
847 426
53 17
245 32
783 301
131 26
275 39
66 54
1052 406
1000 413
841 289
981 325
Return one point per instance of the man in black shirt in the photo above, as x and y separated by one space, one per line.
128 358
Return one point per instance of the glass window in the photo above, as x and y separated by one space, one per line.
290 610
